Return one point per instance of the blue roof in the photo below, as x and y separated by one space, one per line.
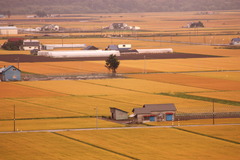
236 39
4 69
113 47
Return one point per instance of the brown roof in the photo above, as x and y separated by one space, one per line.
31 44
148 108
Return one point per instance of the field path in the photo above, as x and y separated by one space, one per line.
113 128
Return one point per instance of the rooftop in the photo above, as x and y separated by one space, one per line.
148 108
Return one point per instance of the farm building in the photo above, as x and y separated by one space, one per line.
55 46
155 112
8 30
235 41
118 114
91 48
77 53
164 50
10 73
29 45
50 27
121 26
119 47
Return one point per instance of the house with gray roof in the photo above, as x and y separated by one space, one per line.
30 44
10 73
235 41
155 112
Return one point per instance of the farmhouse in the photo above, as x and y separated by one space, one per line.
50 27
120 47
155 112
118 114
8 30
235 41
31 45
10 73
121 26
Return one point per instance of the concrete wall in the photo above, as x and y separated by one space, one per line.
119 115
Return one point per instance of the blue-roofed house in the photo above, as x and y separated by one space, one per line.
10 73
235 41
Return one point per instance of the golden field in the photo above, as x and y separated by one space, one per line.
69 104
193 81
48 124
125 143
227 95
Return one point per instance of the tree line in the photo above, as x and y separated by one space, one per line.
114 6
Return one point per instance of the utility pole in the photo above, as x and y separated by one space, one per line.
14 118
17 59
213 112
144 69
96 117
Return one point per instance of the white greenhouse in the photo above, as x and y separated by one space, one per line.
78 53
164 50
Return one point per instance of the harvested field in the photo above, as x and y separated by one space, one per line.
194 81
30 58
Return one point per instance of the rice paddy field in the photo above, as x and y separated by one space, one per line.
192 84
182 143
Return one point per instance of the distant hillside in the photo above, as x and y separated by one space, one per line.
113 6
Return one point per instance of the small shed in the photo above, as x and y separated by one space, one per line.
155 112
235 41
112 47
124 47
10 73
118 114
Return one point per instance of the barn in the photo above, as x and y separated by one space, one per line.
118 114
155 113
10 73
8 30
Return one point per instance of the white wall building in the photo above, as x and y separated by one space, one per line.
8 30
